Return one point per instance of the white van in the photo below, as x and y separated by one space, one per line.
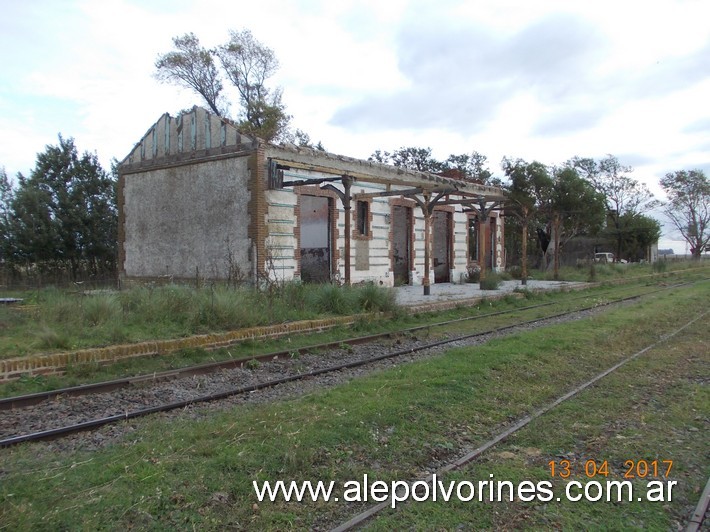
603 257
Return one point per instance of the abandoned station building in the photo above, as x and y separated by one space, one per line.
199 199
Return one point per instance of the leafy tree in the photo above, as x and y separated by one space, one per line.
33 234
193 67
64 213
688 207
411 158
301 138
529 187
246 64
622 194
575 208
472 167
638 232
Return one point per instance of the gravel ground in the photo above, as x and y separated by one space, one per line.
70 410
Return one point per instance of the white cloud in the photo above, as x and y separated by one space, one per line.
542 80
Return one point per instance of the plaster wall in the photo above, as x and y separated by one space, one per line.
184 221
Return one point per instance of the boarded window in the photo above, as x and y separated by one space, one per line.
363 217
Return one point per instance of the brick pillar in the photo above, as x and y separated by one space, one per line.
257 207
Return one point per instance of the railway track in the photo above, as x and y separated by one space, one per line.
25 400
695 522
45 402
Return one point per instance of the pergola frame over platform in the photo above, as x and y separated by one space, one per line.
432 192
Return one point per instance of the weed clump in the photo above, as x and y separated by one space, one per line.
660 266
98 310
49 338
491 282
372 298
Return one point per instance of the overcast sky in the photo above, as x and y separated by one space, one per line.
542 80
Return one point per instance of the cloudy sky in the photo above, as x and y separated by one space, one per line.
542 80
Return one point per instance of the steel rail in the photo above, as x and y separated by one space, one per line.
26 400
698 517
92 424
696 520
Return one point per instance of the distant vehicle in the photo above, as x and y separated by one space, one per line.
603 257
607 257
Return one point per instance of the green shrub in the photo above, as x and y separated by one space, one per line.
527 294
515 272
294 295
505 276
49 338
660 266
372 298
61 308
490 282
97 310
332 299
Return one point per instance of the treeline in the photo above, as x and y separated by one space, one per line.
548 205
59 224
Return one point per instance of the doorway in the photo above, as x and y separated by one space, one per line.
401 244
442 246
315 239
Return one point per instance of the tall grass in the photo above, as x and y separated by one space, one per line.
65 320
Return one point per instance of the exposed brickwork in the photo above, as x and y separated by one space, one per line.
258 208
43 364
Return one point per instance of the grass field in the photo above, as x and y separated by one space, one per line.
396 319
188 473
53 320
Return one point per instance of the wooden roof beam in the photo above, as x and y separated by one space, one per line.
406 192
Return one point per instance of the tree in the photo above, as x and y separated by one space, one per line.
6 197
622 194
575 208
246 64
301 138
64 213
638 232
411 158
688 207
192 66
528 189
471 167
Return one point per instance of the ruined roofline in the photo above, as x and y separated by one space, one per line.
190 135
197 133
327 162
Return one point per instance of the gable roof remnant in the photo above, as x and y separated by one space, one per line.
198 134
192 135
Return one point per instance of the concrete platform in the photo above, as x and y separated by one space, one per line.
448 295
